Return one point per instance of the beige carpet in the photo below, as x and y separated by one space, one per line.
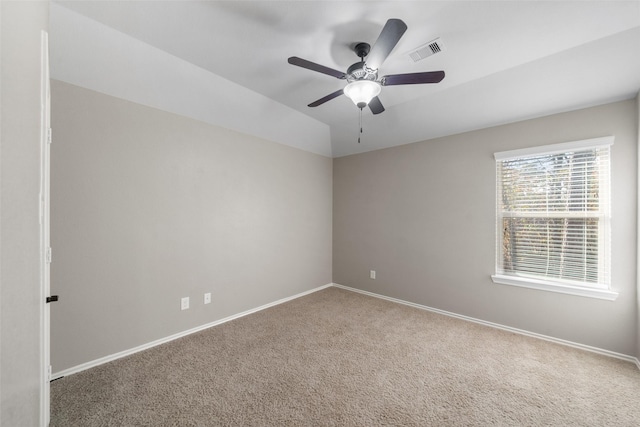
338 358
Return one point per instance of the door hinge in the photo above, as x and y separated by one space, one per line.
48 256
49 139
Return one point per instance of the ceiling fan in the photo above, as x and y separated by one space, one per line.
364 86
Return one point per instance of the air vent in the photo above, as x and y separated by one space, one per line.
427 50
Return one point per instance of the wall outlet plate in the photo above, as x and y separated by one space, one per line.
372 274
184 303
207 298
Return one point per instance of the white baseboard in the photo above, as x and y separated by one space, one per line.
498 326
106 359
102 360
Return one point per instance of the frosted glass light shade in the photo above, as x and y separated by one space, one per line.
362 91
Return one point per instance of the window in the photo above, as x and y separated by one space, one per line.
553 216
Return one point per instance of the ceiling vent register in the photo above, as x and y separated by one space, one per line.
426 50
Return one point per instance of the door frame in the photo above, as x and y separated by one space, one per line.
45 243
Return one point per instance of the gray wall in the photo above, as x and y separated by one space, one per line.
149 207
21 23
423 216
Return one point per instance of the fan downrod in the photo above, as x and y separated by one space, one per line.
358 70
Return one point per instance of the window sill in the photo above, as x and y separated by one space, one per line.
545 285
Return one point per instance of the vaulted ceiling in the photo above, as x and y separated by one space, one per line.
225 62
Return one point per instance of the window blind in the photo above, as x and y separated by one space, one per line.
553 212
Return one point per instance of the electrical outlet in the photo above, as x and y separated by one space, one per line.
184 303
372 274
207 298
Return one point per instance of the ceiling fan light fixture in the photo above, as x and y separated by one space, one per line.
361 92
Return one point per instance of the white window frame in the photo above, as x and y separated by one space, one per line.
549 284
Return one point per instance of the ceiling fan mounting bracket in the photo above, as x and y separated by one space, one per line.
362 49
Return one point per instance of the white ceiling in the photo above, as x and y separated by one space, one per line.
225 62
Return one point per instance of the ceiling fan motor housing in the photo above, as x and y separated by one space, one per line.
359 71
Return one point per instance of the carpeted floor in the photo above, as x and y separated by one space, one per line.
338 358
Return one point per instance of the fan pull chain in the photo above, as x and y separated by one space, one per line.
360 126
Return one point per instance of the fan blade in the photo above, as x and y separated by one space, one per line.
294 60
326 98
376 106
413 78
387 40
